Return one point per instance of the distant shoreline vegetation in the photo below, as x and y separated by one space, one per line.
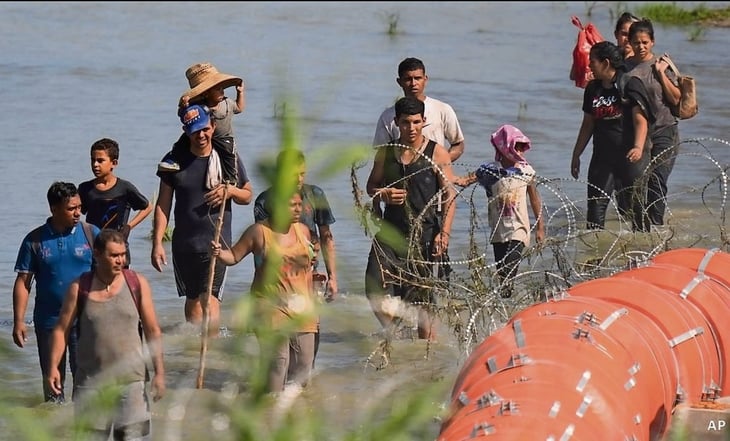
672 14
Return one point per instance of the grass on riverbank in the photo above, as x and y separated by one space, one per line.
672 14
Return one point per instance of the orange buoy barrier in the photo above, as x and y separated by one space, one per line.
611 358
707 295
685 329
713 263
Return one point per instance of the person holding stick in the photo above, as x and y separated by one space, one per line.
196 211
282 287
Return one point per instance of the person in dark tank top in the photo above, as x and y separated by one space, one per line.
411 182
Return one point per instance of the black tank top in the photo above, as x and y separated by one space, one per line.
422 183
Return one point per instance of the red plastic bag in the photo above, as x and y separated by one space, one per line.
587 37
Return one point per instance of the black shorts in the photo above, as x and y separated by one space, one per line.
389 272
191 275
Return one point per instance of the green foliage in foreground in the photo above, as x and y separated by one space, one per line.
672 14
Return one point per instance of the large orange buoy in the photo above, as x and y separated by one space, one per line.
653 367
706 294
713 263
610 369
686 330
609 359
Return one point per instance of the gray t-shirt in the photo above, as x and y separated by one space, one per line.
645 72
223 116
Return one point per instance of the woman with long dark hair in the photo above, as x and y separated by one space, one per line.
602 113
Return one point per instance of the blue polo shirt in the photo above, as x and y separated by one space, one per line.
61 258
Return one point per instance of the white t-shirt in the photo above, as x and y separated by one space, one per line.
441 124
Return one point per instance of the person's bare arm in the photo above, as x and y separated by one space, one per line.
376 181
250 241
456 150
584 135
140 216
240 99
536 204
670 90
446 178
376 177
240 196
243 195
59 335
328 250
641 129
153 335
161 218
21 293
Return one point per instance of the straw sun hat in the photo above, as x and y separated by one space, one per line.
204 76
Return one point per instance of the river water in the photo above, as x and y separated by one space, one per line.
76 72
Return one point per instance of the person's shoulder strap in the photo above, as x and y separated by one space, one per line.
85 280
88 232
299 229
35 237
430 147
135 287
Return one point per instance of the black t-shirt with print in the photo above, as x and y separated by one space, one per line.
604 104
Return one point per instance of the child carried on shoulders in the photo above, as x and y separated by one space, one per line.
207 87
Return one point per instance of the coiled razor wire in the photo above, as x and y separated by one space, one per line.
470 300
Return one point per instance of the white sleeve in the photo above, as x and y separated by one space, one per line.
452 129
384 132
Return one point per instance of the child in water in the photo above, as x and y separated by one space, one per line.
509 181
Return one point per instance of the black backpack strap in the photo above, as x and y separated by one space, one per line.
35 238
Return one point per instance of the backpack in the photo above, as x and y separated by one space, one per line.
130 277
135 288
588 35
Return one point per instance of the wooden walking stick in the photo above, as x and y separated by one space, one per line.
206 296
